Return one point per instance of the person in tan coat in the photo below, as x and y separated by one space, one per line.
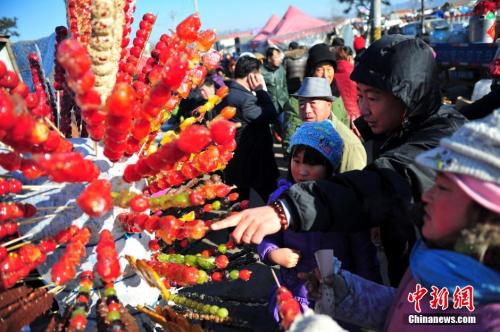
315 104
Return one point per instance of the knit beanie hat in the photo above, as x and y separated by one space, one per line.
322 137
319 53
472 150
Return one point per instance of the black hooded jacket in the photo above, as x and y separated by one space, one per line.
384 193
383 190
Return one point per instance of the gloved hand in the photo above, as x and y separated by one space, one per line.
326 291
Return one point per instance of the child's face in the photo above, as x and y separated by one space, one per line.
304 172
445 210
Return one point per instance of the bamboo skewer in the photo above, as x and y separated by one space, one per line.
58 107
275 278
6 244
53 126
142 148
28 221
56 290
57 208
17 246
48 285
42 186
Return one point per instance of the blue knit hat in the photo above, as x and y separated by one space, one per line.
322 137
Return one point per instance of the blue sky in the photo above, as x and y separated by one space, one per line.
37 18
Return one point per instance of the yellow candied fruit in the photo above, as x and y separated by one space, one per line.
188 216
209 105
168 137
187 122
152 149
213 99
165 115
202 109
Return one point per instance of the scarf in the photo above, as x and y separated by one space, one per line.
444 268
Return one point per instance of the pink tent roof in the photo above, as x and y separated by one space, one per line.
267 29
294 24
296 20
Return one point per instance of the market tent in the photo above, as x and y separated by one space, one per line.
296 20
266 30
294 25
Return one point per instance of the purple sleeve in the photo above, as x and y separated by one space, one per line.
268 244
367 303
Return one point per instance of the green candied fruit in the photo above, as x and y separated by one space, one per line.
202 277
206 308
214 309
163 258
176 258
190 260
79 311
113 315
109 292
190 303
205 263
180 200
216 205
234 274
83 289
222 248
181 300
222 313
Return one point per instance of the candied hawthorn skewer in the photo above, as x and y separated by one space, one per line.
95 200
65 269
107 266
76 62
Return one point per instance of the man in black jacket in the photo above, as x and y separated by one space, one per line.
400 103
253 164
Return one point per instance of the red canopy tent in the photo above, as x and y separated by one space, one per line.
266 30
295 24
296 20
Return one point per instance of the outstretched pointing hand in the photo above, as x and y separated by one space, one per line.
251 224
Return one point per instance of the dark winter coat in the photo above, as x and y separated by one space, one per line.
484 106
295 67
382 193
275 79
253 164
